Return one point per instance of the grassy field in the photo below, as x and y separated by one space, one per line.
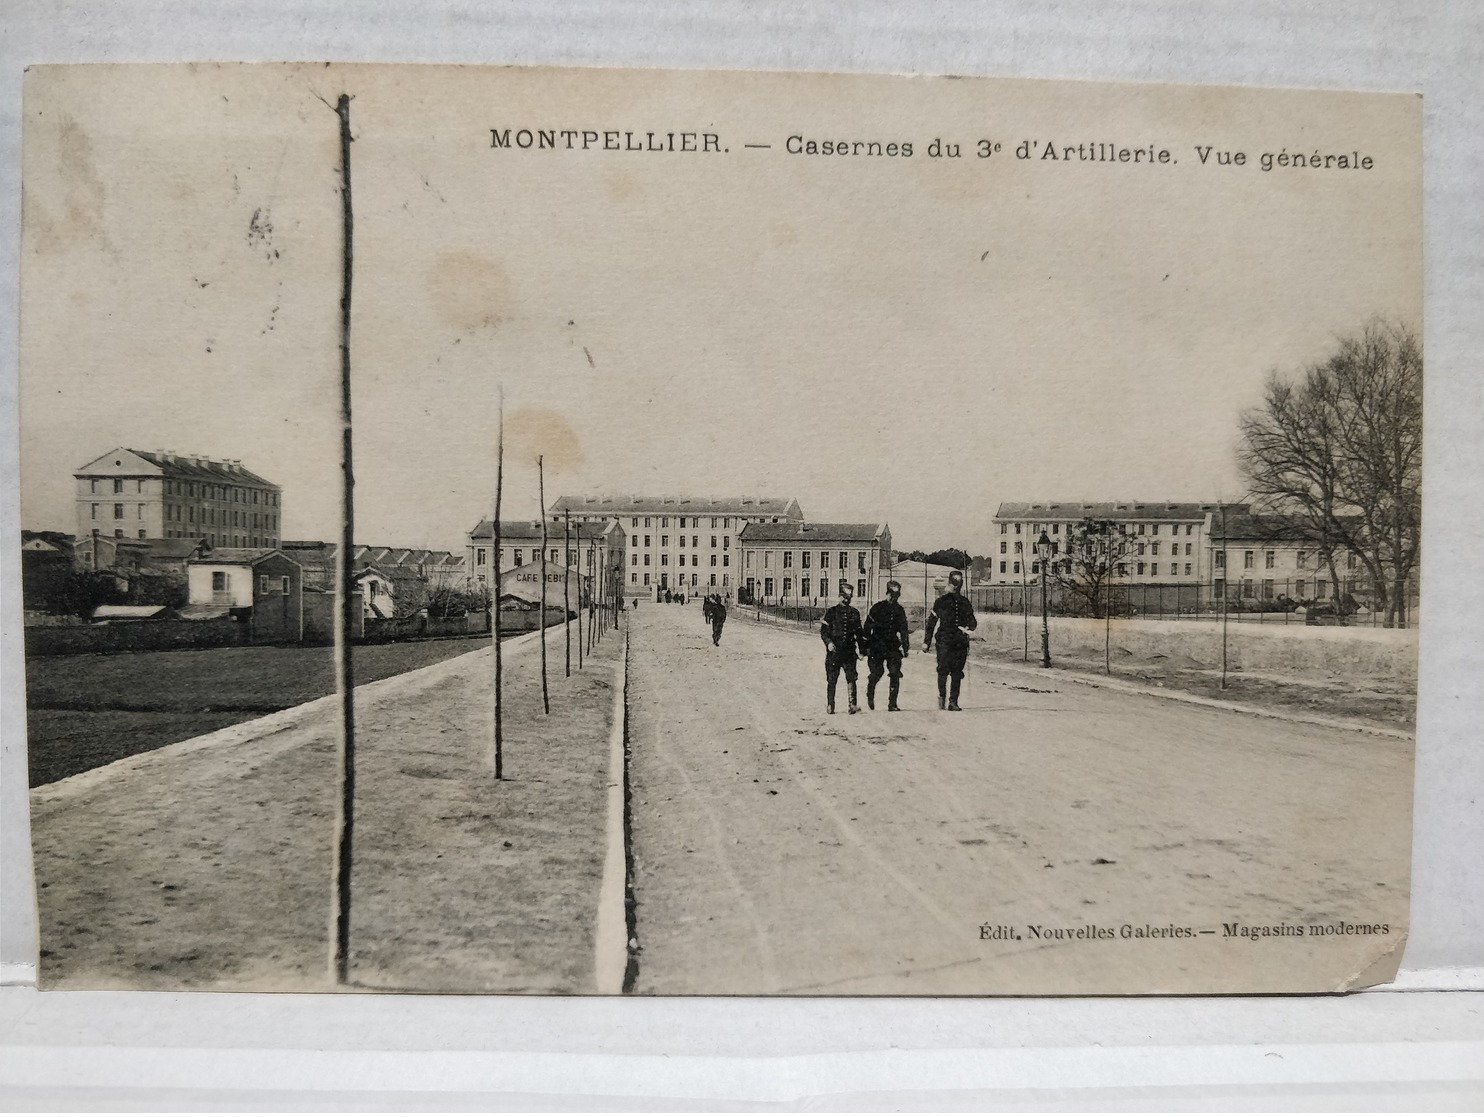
87 710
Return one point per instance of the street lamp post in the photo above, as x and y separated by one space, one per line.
1043 550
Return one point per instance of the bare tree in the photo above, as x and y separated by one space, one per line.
1093 551
1340 451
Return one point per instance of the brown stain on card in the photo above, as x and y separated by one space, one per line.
540 431
81 201
470 292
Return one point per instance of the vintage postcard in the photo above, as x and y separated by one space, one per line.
586 531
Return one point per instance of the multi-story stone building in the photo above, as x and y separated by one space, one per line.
156 494
677 542
1264 557
594 546
1168 544
794 563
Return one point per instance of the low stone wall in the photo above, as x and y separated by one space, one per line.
135 636
1251 647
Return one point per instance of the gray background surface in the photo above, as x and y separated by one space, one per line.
1173 1051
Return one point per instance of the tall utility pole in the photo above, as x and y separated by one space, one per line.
495 542
1226 581
567 586
345 615
579 594
541 494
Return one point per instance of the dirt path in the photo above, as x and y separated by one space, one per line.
206 864
781 850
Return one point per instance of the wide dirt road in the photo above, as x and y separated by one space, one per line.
781 850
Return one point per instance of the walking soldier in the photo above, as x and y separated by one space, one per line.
840 629
951 614
887 641
716 613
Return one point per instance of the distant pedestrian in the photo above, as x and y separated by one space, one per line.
951 615
840 629
716 612
887 642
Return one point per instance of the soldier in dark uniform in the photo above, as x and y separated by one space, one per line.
951 615
887 641
716 613
840 629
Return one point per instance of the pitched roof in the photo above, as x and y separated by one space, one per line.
1249 527
1115 510
790 531
523 531
680 506
235 556
193 467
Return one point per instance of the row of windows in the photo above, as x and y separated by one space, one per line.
726 560
517 555
1270 560
695 541
118 485
195 489
1150 568
1132 529
686 521
665 580
805 557
807 586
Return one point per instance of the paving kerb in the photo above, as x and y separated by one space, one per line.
1167 693
273 732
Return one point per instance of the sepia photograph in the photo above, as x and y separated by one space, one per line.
582 531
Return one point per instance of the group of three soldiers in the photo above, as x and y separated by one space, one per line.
884 640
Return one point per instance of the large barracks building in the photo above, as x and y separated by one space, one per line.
748 545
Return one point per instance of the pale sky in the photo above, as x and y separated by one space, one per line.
903 339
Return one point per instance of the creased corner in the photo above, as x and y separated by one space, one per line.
1379 971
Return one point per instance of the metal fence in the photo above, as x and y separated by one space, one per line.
1246 601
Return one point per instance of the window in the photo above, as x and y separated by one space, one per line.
1298 589
1002 565
93 485
1056 529
767 587
634 559
646 579
1187 568
634 579
1321 587
118 484
788 560
1154 548
804 557
646 540
262 583
788 584
713 560
1035 568
1141 568
682 521
283 585
1187 548
726 560
682 541
571 557
1301 559
726 541
1017 529
633 521
664 541
767 556
1267 589
682 560
824 560
141 533
747 562
1123 570
803 586
1249 559
1154 529
118 511
727 523
1268 559
1004 528
1016 570
1154 568
1141 548
713 524
664 521
664 560
1246 587
646 560
219 581
713 538
1219 586
118 533
844 559
139 486
1351 562
1220 560
860 561
481 556
518 555
95 511
1003 546
646 523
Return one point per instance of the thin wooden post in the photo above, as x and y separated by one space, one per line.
541 494
344 615
496 541
579 596
567 586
